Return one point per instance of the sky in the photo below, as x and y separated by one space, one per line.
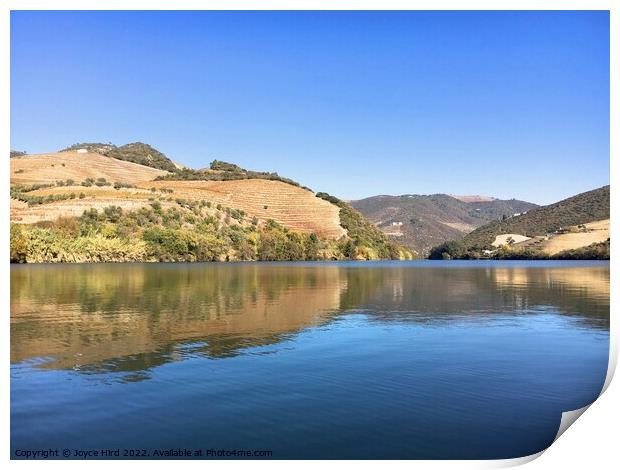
505 104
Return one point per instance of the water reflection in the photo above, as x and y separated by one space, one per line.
131 318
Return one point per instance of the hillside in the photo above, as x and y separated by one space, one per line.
84 206
420 222
51 167
223 171
288 205
544 227
579 237
136 152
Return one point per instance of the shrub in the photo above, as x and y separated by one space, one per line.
165 242
19 244
113 213
119 185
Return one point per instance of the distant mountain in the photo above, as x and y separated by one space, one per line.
420 222
584 218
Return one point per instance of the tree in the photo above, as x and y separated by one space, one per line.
311 247
348 249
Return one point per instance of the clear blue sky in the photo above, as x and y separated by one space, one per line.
508 104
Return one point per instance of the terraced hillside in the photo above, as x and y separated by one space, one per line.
290 206
423 221
52 167
80 205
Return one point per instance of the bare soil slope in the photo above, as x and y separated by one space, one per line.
52 167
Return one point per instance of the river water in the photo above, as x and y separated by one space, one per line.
406 360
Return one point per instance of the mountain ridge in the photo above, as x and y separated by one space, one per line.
421 221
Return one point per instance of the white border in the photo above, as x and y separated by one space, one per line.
592 443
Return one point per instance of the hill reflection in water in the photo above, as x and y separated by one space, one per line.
131 318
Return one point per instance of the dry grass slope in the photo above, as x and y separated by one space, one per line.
290 206
597 232
51 167
293 207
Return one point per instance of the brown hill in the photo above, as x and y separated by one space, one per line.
290 206
52 167
82 206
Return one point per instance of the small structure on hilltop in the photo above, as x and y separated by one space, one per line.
82 151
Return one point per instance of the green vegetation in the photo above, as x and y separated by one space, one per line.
143 154
365 240
449 250
92 147
185 231
119 185
36 200
454 250
580 209
21 193
218 165
223 171
25 188
17 153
